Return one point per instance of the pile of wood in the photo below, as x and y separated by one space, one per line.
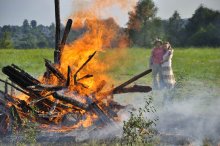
49 104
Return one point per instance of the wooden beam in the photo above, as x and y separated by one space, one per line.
84 64
66 32
135 88
54 70
57 35
70 100
132 80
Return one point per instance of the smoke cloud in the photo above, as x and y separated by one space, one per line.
192 115
102 9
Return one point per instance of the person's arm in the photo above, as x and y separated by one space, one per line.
151 59
166 57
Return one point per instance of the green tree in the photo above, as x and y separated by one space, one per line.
5 41
174 29
208 36
141 23
201 18
29 41
203 28
26 26
33 23
51 40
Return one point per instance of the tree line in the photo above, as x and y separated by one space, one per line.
201 30
143 27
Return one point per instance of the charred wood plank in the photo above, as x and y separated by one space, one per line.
54 70
25 107
135 88
68 76
121 87
26 74
85 77
30 112
43 87
90 106
70 100
66 32
53 107
132 80
4 98
98 111
15 87
57 50
84 64
100 86
21 78
105 108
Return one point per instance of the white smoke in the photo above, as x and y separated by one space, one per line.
195 115
192 114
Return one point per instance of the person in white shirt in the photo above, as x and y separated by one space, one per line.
166 64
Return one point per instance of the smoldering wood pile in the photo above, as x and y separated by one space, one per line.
49 104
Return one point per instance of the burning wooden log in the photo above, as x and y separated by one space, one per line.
68 77
135 88
100 86
98 111
90 106
26 74
60 45
65 34
15 87
70 100
42 87
85 77
120 87
54 70
19 77
35 88
84 64
57 50
25 81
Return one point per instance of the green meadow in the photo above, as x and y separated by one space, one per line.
201 64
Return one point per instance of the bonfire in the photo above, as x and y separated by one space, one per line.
75 85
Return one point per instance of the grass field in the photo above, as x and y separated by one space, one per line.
192 63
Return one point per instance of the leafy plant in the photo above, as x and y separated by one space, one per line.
29 132
139 128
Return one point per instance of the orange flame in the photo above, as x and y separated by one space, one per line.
98 36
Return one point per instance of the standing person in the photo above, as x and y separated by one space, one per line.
166 63
155 64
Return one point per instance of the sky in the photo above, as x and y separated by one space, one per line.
13 12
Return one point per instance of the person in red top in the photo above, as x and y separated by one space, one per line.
155 64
